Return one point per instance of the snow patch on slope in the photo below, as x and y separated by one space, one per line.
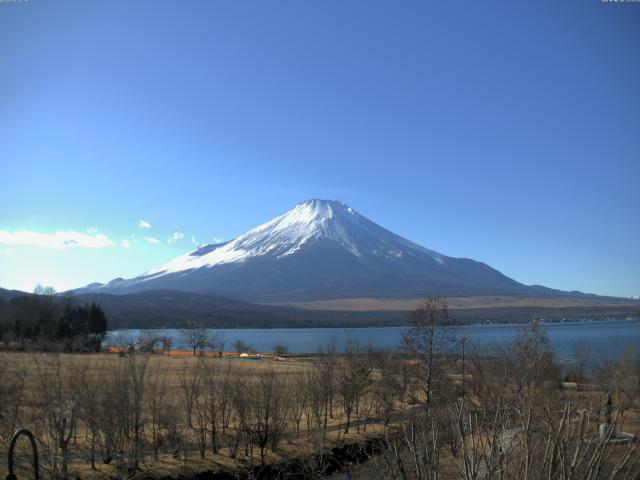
286 234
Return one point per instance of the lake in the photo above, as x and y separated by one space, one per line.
602 336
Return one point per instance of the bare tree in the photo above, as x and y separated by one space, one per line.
241 395
240 346
196 337
190 382
162 415
12 388
582 356
58 409
44 291
218 341
413 450
432 332
618 374
166 342
113 403
516 427
299 400
318 405
326 366
89 382
387 389
353 379
202 413
136 368
148 341
213 401
269 411
280 349
224 401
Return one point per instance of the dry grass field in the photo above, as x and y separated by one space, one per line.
459 303
132 414
178 393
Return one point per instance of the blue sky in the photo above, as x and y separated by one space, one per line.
507 132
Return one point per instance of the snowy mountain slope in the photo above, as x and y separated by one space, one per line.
287 234
320 249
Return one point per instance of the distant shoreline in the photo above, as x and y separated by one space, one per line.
383 327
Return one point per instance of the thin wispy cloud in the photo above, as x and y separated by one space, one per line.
125 243
175 237
7 251
57 241
143 224
197 243
152 240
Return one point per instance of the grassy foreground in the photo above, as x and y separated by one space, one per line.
511 412
112 415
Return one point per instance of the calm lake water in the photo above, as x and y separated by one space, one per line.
603 336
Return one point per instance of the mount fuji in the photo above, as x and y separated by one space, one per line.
320 250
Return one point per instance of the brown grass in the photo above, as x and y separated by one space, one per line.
408 304
173 366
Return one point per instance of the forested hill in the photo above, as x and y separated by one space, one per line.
173 309
42 321
6 295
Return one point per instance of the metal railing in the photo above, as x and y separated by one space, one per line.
34 448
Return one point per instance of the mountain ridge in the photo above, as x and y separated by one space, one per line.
320 250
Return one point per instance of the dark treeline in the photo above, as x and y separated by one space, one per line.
46 321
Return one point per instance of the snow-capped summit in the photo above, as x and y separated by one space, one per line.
320 249
309 221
